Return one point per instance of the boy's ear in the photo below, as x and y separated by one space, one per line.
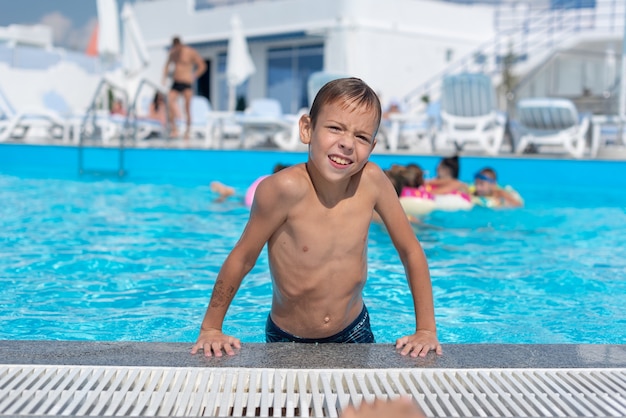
305 129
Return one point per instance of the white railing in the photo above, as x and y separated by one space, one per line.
531 36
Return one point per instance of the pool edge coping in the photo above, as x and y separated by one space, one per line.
312 356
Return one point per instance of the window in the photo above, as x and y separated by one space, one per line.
288 72
573 4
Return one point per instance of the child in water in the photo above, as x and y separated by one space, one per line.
315 218
486 191
447 180
224 191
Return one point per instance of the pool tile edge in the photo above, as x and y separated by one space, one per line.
304 356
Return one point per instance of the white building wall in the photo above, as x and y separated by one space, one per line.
394 45
397 45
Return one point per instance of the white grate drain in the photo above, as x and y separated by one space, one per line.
163 391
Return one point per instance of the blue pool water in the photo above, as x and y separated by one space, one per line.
99 258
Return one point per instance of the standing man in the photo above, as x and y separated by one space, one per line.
188 66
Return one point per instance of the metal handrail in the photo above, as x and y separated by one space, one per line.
91 112
133 105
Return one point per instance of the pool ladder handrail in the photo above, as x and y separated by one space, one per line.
91 115
129 127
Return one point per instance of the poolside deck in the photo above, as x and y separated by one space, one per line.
53 378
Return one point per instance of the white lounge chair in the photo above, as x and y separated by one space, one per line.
264 117
551 122
34 121
469 115
202 124
42 103
143 125
211 123
606 130
413 130
206 123
100 125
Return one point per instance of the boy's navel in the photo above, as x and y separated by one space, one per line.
326 319
305 249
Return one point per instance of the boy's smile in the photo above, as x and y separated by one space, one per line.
339 161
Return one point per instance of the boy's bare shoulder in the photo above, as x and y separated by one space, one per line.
373 172
289 183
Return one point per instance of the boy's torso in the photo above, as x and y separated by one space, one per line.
318 260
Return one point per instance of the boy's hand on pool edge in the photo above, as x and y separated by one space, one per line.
419 344
213 341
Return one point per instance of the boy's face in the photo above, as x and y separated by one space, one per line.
342 139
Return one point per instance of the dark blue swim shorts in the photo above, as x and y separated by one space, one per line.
359 331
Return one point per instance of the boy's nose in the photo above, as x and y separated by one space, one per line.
345 143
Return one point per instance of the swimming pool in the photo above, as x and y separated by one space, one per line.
94 257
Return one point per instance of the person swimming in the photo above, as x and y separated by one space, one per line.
486 191
225 191
447 180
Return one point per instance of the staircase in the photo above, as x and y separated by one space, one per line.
529 34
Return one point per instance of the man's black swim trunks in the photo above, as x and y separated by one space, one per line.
180 86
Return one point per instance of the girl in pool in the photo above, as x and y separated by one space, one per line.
447 180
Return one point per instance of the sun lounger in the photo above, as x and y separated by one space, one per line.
264 117
469 115
552 123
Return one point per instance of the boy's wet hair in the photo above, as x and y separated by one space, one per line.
452 164
349 90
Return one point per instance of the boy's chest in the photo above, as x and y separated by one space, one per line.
346 223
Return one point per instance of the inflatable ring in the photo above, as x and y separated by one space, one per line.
249 197
492 202
453 202
417 206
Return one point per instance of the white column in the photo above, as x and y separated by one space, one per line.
622 88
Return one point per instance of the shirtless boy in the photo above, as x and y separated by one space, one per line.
315 219
188 66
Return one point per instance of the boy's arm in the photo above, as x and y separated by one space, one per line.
211 338
410 251
265 217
